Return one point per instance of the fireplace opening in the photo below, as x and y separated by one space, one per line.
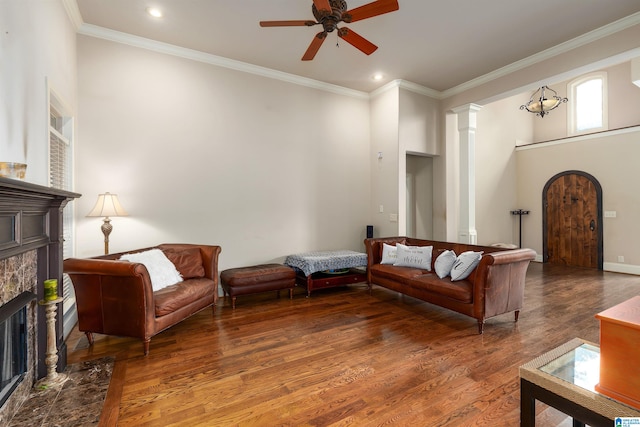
13 343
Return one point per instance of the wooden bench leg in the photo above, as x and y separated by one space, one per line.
517 314
89 337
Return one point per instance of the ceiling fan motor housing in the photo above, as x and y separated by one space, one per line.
330 21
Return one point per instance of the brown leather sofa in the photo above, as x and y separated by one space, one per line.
495 286
115 297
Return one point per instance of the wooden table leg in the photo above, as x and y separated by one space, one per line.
527 405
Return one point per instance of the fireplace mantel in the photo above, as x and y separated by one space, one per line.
31 219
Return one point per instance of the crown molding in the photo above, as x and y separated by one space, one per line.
144 43
419 89
73 12
407 85
567 46
195 55
384 88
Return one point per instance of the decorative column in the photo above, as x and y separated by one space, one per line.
467 135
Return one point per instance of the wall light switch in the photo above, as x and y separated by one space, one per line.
610 214
381 208
393 217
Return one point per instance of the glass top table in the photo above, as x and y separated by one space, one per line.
565 378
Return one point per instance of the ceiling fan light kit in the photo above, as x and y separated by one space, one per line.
329 13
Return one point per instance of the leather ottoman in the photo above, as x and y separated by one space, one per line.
257 278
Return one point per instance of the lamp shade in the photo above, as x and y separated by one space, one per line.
107 205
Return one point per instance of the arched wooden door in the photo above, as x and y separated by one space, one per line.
572 217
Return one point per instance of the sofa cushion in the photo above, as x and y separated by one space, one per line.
444 263
177 296
188 261
461 290
414 256
391 243
395 273
389 254
161 271
464 265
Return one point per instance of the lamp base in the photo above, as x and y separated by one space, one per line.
106 230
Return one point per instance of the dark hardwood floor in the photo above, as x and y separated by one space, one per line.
344 357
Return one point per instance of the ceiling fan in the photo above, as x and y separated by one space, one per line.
329 13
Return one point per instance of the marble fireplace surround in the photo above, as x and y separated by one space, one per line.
30 252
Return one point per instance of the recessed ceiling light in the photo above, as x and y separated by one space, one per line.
377 76
155 12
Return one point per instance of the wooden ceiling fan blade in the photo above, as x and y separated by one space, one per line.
299 23
357 41
322 5
370 10
314 46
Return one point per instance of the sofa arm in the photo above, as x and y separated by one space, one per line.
499 282
113 297
511 256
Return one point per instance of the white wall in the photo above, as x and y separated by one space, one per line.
418 123
611 49
203 154
499 125
384 172
612 160
37 43
624 104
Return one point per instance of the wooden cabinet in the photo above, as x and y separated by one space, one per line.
324 280
619 361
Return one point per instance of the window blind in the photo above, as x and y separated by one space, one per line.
60 177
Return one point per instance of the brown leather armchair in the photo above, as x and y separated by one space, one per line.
115 297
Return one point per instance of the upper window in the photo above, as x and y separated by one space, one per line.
588 104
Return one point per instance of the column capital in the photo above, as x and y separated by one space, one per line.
467 116
470 108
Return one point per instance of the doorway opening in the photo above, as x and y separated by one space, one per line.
419 200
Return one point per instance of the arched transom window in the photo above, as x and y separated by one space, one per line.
588 104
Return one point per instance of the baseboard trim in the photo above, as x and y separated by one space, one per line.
613 267
621 268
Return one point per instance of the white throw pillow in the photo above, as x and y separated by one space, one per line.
161 271
464 265
444 263
389 254
414 256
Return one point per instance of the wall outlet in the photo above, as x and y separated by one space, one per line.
620 258
380 208
393 217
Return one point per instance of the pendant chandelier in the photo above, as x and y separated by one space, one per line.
540 105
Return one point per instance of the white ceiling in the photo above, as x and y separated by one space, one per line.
438 44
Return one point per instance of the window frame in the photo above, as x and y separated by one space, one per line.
572 89
60 130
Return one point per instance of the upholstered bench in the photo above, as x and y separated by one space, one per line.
257 278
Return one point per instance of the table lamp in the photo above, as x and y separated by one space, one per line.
106 206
